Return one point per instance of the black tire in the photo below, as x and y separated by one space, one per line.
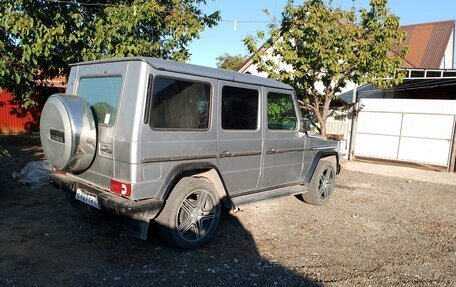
322 184
191 214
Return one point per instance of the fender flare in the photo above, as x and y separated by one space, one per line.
189 169
319 155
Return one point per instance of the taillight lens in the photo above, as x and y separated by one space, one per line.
57 171
121 188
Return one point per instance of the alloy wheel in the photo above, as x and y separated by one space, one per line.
195 215
326 185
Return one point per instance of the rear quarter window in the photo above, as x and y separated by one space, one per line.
180 105
102 94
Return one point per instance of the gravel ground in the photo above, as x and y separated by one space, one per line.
378 231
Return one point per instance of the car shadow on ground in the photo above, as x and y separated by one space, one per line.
47 242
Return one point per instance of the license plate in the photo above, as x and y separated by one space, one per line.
87 198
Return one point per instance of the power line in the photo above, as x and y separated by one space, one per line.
248 21
116 5
80 3
272 21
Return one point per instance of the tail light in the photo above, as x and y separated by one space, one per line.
57 171
120 188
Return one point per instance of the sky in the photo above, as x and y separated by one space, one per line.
224 38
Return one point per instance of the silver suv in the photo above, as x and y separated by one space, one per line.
171 143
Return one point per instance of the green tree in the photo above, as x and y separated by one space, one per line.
230 62
320 45
39 38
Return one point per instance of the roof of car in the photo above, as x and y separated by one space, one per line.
196 70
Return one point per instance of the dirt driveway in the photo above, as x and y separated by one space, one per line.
377 231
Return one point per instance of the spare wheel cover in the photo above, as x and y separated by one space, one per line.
68 132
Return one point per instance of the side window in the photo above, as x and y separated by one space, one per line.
102 94
281 112
179 104
239 108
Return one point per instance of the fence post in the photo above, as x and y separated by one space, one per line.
354 123
452 164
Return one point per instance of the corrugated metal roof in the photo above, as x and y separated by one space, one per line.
427 43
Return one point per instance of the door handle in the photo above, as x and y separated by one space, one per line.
226 154
271 151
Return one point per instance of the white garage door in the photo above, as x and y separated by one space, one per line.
406 130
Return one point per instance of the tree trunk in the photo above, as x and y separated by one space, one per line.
325 112
323 128
320 120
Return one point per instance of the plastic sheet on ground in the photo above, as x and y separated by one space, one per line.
35 174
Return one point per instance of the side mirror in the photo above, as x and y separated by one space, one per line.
305 126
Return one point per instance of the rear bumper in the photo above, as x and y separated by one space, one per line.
143 210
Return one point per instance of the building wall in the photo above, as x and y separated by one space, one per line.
13 120
16 120
448 58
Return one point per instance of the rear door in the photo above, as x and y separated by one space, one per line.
239 142
101 85
284 144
